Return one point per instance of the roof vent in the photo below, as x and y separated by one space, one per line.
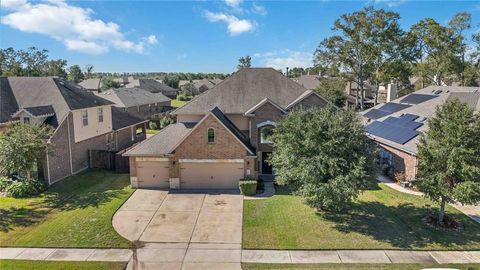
437 92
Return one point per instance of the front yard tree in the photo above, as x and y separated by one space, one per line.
22 147
324 156
449 156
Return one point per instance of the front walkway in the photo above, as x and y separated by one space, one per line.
473 211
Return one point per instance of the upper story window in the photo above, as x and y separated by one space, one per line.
211 135
100 115
26 120
266 134
85 118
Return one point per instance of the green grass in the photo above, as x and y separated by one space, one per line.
75 212
152 131
258 266
381 218
54 265
177 103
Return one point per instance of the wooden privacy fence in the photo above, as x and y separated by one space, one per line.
109 160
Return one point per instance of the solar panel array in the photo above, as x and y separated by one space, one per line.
397 129
417 98
385 109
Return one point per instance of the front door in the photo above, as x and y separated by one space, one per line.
266 168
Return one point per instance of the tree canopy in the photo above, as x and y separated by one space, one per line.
332 89
449 156
244 62
22 147
323 155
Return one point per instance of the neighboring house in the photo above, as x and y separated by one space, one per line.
386 93
137 101
395 125
310 82
198 86
153 86
81 121
222 135
93 84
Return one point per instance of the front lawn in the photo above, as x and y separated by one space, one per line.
54 265
377 266
381 218
75 212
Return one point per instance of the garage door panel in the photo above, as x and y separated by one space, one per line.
210 175
153 174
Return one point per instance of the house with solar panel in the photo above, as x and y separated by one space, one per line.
395 126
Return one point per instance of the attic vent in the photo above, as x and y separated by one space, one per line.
437 92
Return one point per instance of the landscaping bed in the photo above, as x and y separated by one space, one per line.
381 218
75 212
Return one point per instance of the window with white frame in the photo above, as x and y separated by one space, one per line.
266 134
211 135
100 115
85 118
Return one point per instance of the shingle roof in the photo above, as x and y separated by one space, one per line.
121 119
425 109
8 104
243 90
91 84
163 142
62 95
40 110
310 82
129 97
152 86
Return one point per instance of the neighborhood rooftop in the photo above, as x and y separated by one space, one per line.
128 97
399 122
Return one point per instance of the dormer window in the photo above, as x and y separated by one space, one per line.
100 115
85 118
211 135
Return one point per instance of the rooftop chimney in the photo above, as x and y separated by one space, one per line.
391 91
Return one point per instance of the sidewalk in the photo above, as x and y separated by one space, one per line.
473 211
157 254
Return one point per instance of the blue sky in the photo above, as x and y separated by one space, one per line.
192 36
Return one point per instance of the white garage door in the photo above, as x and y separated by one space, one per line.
153 174
211 175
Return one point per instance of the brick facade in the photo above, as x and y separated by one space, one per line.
402 162
195 146
267 112
59 162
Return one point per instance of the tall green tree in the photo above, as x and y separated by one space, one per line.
368 44
22 148
75 74
171 80
244 62
438 50
332 90
55 68
323 155
108 83
449 156
88 74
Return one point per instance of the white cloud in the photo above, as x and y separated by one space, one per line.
74 26
152 40
389 3
235 25
12 3
258 9
233 3
285 58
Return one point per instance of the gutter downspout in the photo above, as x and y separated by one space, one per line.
69 144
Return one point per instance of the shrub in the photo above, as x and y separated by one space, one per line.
22 187
248 187
4 182
152 125
183 97
166 120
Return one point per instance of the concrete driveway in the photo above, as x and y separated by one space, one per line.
183 230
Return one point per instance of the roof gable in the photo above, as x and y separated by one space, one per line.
252 110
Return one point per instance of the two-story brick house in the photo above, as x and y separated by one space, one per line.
220 136
81 121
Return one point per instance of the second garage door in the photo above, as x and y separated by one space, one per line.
211 175
153 174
